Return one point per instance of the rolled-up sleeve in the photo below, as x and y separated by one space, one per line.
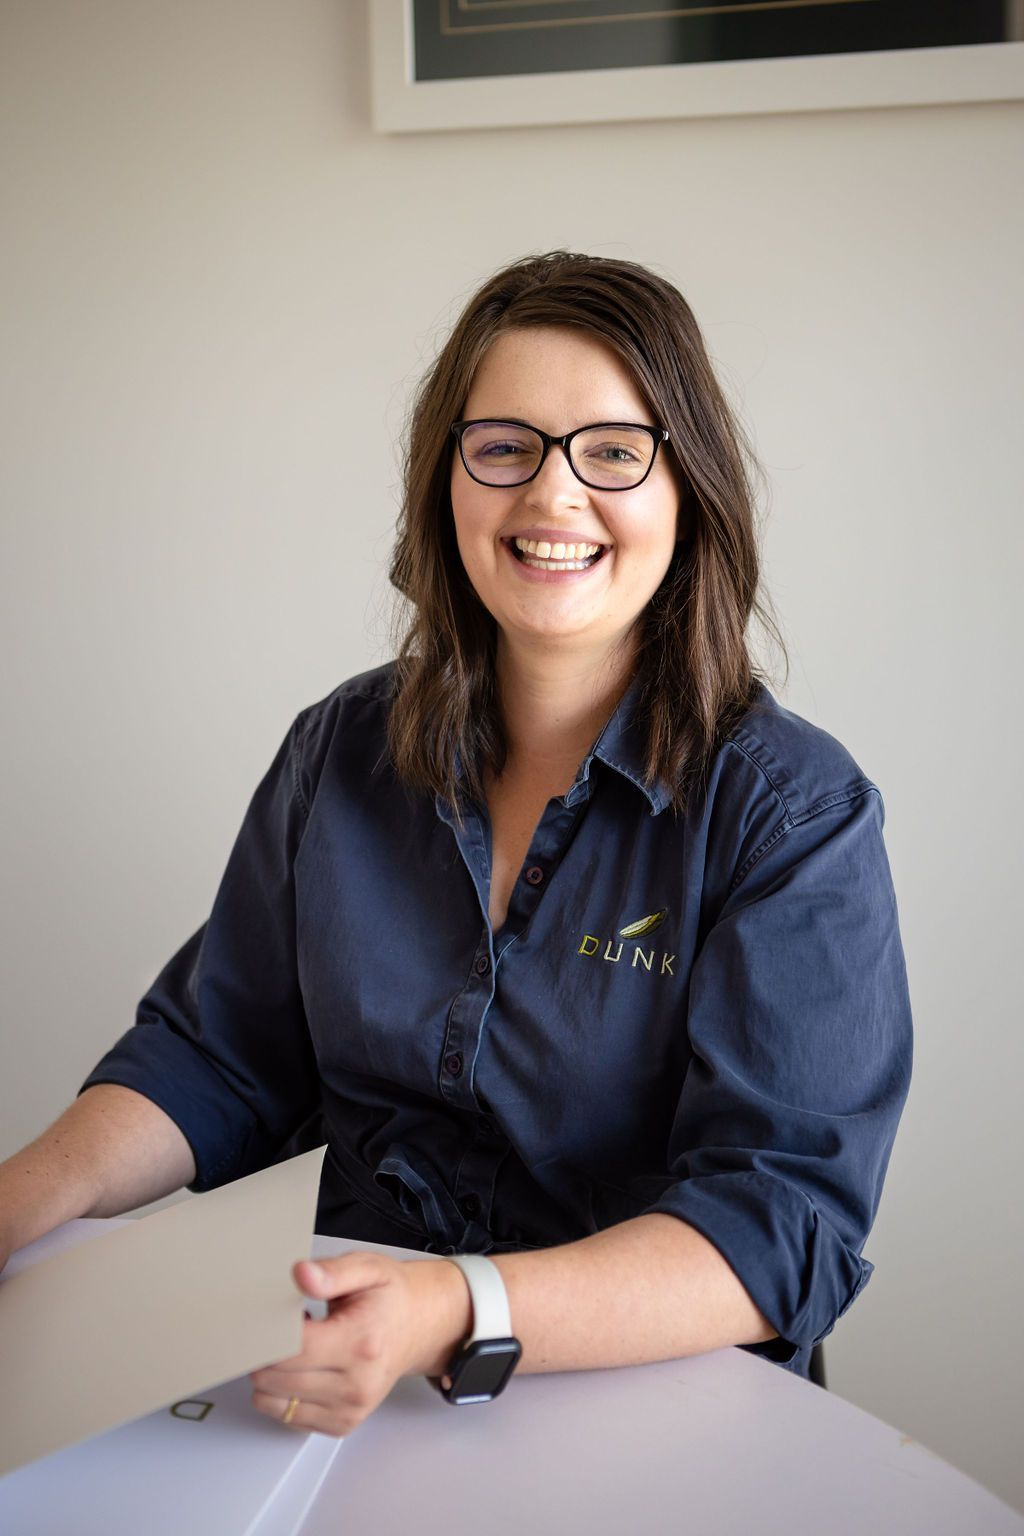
220 1041
800 1027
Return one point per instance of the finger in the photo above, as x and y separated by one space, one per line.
323 1346
281 1409
329 1279
321 1387
338 1420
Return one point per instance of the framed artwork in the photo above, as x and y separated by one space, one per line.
509 63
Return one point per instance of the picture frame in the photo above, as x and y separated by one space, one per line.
820 82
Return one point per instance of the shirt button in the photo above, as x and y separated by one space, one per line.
482 965
453 1064
471 1205
534 875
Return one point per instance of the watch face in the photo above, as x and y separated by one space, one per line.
483 1370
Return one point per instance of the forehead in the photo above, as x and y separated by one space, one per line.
557 377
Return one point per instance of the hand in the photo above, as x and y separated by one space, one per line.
385 1319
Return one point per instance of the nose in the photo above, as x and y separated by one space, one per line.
555 484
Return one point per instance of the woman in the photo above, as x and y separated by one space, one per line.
585 949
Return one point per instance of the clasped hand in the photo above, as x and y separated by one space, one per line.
385 1319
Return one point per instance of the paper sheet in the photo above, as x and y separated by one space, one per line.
206 1466
154 1311
290 1505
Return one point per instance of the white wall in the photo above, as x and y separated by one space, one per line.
217 289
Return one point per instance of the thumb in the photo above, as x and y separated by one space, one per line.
328 1279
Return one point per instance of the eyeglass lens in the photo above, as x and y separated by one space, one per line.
612 458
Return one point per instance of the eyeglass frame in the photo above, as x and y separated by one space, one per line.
659 434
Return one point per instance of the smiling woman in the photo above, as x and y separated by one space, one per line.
579 950
630 521
592 342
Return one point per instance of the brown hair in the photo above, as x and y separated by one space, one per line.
695 673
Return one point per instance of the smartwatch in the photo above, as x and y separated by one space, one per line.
482 1366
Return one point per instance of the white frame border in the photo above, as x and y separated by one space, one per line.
826 82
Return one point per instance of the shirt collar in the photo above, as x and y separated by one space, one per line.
622 745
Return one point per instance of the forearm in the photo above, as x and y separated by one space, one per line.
110 1151
652 1288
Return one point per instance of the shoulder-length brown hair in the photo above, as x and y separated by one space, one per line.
695 673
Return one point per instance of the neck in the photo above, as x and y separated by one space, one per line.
554 704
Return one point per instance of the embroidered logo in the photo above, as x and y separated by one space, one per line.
640 958
645 926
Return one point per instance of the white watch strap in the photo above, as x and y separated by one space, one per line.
491 1316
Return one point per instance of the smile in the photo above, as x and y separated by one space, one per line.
544 556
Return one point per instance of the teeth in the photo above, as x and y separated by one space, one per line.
555 565
560 552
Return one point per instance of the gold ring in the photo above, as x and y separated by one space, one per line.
289 1412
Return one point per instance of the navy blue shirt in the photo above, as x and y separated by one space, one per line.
703 1014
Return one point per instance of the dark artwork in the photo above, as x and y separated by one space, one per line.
459 39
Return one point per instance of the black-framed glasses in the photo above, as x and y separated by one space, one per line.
607 455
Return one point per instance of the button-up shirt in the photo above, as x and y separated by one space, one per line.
704 1014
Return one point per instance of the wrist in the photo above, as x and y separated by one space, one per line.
22 1209
443 1312
34 1198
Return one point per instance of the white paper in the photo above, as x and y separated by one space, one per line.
153 1311
291 1504
208 1466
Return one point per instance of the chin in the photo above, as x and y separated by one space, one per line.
552 634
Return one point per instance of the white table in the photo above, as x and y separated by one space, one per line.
723 1444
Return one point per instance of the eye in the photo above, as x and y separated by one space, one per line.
613 453
500 452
